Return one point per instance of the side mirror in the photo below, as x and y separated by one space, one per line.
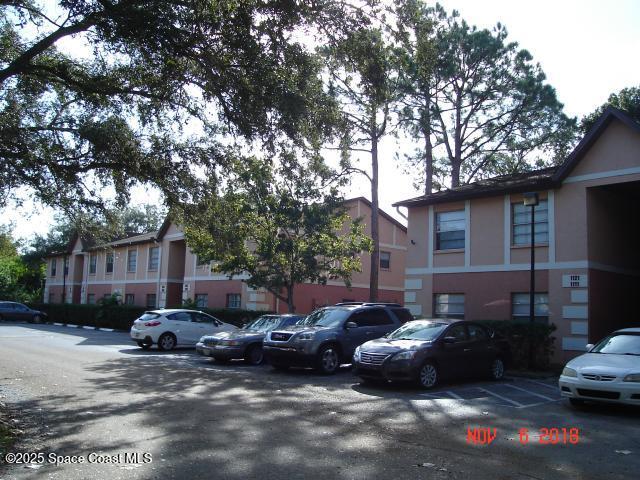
589 346
449 339
349 325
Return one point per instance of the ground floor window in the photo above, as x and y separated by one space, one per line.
91 298
202 300
151 300
129 299
520 306
448 305
233 300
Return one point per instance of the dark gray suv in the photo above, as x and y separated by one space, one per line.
330 335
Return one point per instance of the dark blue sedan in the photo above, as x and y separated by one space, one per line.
20 312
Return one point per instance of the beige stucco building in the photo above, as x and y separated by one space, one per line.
158 269
469 247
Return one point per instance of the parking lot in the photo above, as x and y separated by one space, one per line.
86 391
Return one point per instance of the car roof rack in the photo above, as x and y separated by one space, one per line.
369 304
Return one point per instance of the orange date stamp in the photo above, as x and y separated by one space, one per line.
544 436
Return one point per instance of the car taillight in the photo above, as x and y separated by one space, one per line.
154 323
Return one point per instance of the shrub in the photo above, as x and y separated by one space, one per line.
517 333
234 316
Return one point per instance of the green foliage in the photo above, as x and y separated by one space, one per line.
478 102
19 280
115 115
627 99
282 223
517 333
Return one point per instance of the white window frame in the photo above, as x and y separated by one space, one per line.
150 267
520 306
93 263
524 239
440 227
239 300
201 296
448 299
106 263
388 267
135 263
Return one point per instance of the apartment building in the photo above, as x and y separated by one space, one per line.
159 270
469 247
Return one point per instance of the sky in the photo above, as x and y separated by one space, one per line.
588 50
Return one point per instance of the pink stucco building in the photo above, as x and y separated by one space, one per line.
158 269
469 247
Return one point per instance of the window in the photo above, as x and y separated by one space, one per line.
362 319
520 307
202 318
93 259
522 224
450 228
54 266
477 333
66 265
377 316
108 266
201 300
180 317
106 296
449 305
132 260
91 298
151 300
129 299
154 258
233 300
458 332
385 260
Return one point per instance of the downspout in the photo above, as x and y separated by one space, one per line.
159 273
401 214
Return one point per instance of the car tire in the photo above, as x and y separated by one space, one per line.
37 319
497 369
167 341
428 375
254 355
576 402
328 360
144 346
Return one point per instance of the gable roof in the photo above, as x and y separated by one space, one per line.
542 179
380 211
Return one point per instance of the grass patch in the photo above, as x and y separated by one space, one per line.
6 436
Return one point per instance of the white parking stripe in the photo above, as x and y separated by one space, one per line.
544 397
555 387
454 395
517 404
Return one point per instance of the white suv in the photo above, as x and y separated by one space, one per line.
169 328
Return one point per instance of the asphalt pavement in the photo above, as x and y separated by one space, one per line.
103 408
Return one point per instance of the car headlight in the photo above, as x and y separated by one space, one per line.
632 377
569 372
356 354
306 336
408 355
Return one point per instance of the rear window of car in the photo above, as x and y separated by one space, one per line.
148 316
403 314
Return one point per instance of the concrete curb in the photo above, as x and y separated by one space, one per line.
85 327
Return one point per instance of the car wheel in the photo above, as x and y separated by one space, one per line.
144 346
328 360
254 355
576 402
428 375
37 319
167 341
497 369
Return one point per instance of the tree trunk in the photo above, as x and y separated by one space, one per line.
455 174
290 305
375 235
428 163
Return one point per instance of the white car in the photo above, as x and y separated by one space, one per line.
608 372
169 328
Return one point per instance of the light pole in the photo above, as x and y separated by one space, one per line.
531 200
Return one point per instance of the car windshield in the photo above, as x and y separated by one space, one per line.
263 324
418 331
619 344
326 317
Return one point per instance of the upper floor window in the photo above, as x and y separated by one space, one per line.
93 259
66 265
132 260
385 260
448 305
54 266
154 258
109 263
520 307
521 224
450 230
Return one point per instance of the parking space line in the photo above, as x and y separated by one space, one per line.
554 387
544 397
454 395
517 404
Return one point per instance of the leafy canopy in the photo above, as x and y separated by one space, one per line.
627 99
